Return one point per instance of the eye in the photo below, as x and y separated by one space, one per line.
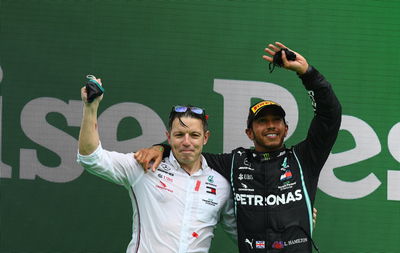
178 134
195 135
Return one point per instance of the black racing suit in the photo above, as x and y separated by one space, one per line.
274 192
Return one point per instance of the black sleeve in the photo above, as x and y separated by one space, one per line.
167 149
325 125
218 162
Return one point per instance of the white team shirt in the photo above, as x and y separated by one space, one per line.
172 210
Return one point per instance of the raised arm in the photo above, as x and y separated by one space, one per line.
325 125
89 135
116 167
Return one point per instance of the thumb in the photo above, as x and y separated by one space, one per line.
284 59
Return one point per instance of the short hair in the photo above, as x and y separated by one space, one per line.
189 113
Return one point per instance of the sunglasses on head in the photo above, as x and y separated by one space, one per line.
180 108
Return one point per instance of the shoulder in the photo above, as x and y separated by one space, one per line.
213 177
240 151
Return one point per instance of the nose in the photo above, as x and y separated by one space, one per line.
270 124
186 140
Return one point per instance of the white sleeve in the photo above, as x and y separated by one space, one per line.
119 168
228 219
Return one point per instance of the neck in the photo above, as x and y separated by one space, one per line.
192 168
264 149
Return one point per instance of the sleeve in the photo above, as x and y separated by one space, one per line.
324 126
115 167
167 149
228 219
221 163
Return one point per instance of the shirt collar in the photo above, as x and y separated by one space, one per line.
176 165
266 156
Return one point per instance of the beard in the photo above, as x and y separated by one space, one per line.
267 145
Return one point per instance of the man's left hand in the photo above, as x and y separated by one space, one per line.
299 65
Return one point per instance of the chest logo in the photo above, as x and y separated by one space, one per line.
286 175
163 186
245 176
249 242
211 190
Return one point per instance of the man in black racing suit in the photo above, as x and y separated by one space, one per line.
274 187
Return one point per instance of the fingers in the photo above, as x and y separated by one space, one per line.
267 58
284 59
270 51
314 216
84 94
281 45
99 81
156 163
273 47
141 159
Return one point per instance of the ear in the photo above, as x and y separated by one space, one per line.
168 134
286 130
250 133
206 136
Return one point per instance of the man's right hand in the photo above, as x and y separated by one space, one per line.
89 136
149 157
84 96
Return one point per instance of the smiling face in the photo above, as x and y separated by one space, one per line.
187 141
268 132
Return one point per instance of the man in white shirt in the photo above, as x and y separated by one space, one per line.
176 208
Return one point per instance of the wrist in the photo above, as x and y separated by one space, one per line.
304 69
90 108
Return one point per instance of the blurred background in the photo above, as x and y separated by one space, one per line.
152 55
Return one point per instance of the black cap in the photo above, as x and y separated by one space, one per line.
255 110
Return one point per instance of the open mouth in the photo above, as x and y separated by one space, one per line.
271 135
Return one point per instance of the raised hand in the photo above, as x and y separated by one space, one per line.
299 65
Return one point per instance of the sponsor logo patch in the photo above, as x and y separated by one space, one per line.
286 185
245 168
286 176
278 245
260 244
245 176
166 178
245 188
249 242
296 241
270 200
197 187
211 190
163 186
166 172
209 202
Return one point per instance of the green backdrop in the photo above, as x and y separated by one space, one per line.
154 54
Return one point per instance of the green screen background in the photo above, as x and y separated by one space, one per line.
161 53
